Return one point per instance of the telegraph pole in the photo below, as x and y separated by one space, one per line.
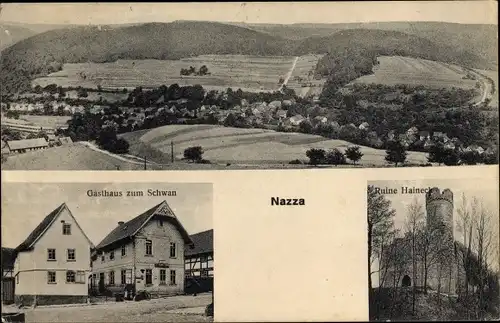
172 151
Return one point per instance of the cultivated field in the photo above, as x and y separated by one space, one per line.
302 78
248 146
394 70
250 73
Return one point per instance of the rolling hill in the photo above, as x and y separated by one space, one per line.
243 146
10 34
479 39
44 53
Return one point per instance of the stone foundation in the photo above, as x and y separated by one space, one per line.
28 300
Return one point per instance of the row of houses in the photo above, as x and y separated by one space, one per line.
54 106
58 264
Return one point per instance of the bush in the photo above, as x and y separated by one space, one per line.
335 157
353 153
204 161
194 154
316 156
295 162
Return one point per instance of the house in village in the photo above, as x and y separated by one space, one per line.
24 145
296 120
8 259
424 135
144 253
364 126
53 263
199 263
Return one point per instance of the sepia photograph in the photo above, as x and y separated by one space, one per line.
99 252
221 86
433 250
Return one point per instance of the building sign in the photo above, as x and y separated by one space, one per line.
164 210
161 265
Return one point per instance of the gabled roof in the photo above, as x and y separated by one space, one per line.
8 258
27 143
131 228
203 243
43 226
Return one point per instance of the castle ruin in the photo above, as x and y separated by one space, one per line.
432 253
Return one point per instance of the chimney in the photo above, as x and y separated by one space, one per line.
120 223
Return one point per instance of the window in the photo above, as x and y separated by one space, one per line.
66 229
163 277
51 277
17 278
149 248
123 277
124 250
173 253
51 254
80 277
149 277
70 277
160 223
112 255
111 277
103 258
172 277
71 255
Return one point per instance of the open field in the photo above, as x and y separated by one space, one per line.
394 70
304 68
248 146
70 157
250 73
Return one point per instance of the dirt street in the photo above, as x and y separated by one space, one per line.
171 309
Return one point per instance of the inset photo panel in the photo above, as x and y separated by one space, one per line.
433 250
102 252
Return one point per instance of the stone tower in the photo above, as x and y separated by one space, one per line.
439 207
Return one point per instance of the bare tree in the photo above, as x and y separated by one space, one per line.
380 223
465 225
413 224
483 248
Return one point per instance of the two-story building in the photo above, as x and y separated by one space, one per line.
146 253
53 263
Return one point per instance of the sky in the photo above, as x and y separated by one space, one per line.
253 12
24 205
485 191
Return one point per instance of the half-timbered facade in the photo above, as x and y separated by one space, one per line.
8 258
199 263
145 253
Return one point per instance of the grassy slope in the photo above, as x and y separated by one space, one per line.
71 157
31 57
10 34
244 146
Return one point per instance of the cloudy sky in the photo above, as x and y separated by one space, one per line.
24 205
264 12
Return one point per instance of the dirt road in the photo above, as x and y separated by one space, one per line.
170 309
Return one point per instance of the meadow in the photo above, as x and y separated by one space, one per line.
46 121
303 73
247 146
250 73
394 70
